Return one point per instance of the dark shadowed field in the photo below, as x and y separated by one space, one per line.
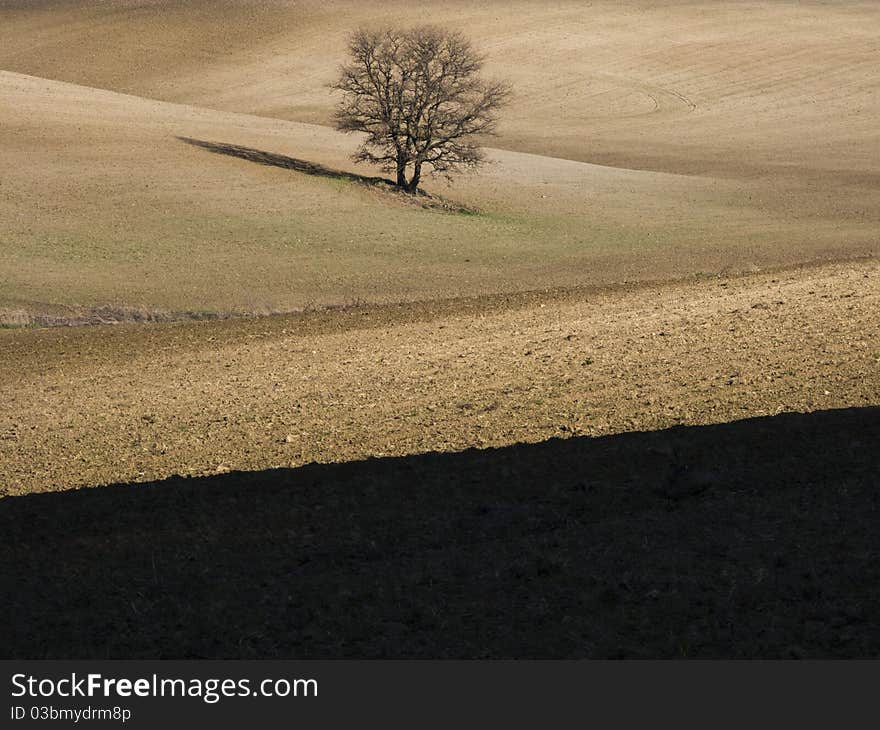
756 538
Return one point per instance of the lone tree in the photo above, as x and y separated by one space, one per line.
417 95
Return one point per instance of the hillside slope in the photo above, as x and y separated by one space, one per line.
115 200
721 88
96 405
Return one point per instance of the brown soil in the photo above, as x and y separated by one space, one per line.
756 538
89 406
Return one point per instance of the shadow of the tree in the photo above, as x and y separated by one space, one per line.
288 163
757 538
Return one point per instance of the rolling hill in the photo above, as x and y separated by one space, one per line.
646 141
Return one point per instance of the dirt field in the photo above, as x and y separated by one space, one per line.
576 548
672 85
87 406
614 395
647 141
750 538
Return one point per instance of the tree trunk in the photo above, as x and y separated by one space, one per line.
413 185
401 170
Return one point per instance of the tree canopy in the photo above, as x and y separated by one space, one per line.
417 95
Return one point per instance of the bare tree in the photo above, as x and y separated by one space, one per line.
417 95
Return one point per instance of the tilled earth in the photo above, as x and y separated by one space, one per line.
756 536
90 406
